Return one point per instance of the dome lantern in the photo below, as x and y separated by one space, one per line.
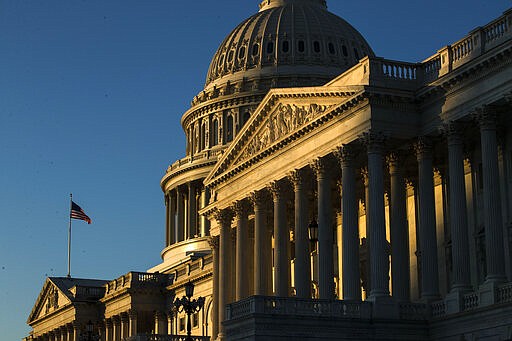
267 4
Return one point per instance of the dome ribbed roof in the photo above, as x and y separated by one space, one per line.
296 39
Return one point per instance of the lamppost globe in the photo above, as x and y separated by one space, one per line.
313 231
189 289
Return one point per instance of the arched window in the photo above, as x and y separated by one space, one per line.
215 132
301 46
286 46
202 136
316 46
332 50
270 47
256 49
229 128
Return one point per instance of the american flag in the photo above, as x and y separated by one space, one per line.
78 213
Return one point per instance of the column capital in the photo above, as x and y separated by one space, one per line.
225 216
214 242
373 141
320 166
486 117
257 198
394 160
452 130
345 154
241 208
423 147
277 188
297 178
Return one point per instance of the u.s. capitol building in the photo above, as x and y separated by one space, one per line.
326 194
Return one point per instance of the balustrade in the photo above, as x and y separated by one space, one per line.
298 307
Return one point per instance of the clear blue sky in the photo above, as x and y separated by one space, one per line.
91 95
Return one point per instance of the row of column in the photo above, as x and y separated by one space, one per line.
69 332
119 327
182 219
376 226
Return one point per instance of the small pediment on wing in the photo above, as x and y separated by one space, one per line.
50 299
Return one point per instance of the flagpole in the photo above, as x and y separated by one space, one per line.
69 234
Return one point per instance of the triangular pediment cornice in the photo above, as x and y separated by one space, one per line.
50 299
283 116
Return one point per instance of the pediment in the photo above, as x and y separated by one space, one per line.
281 117
50 299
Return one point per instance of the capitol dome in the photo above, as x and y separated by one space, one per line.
287 43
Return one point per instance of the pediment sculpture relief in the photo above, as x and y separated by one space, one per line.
285 119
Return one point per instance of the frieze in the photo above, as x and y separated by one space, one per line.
285 119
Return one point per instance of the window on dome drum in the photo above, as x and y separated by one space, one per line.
345 52
230 128
203 131
215 132
301 46
270 47
286 46
256 49
241 52
316 46
332 50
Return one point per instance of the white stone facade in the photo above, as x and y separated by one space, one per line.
405 167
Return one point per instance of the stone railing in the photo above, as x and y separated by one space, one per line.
206 155
471 301
137 279
413 311
504 293
298 307
155 337
389 73
438 308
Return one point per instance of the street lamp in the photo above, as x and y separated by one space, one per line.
313 233
189 306
89 333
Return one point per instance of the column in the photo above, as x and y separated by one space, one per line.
205 223
125 326
116 324
350 226
458 209
224 218
172 217
132 315
192 210
281 240
427 221
181 214
379 259
71 333
64 333
261 271
325 231
302 256
241 209
495 253
214 245
160 323
76 331
399 231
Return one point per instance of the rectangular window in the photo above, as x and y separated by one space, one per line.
183 324
195 320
